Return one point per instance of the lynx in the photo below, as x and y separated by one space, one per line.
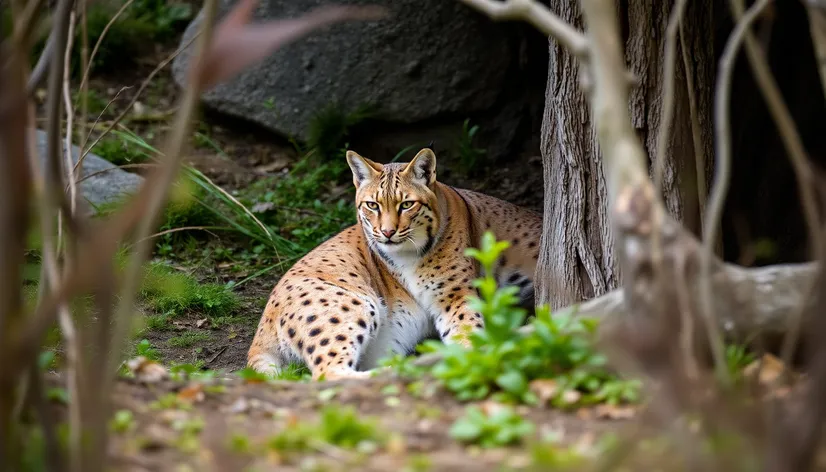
395 278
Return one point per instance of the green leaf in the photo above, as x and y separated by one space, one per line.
512 381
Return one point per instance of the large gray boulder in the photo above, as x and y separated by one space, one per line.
429 59
107 183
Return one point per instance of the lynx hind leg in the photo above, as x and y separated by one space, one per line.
330 332
267 354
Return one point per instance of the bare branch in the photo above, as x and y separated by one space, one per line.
537 15
128 108
722 179
15 187
53 173
797 156
817 28
670 60
100 41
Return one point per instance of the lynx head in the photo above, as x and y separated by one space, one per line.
396 203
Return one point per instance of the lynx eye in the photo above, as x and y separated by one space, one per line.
407 205
372 205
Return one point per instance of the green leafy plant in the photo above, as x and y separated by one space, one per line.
502 427
339 426
331 126
144 348
469 156
737 358
504 360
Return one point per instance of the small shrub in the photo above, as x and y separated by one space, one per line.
502 427
504 361
469 157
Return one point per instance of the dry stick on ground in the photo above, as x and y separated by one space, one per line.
797 156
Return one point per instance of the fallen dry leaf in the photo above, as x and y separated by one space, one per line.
571 396
615 412
200 323
544 389
192 393
491 408
767 369
146 371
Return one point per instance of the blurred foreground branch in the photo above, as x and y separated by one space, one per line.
87 266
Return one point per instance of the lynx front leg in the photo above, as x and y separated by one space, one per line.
455 320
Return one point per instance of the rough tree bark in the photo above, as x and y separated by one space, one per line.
577 246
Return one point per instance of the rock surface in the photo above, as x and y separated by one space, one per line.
430 59
108 184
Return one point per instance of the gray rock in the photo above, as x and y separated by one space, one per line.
108 184
431 58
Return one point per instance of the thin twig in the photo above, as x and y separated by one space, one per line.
799 160
67 327
722 176
166 176
666 117
137 95
537 15
669 71
70 116
100 41
120 167
76 167
52 172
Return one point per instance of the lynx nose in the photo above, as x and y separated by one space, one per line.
388 232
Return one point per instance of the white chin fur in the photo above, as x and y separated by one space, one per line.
397 248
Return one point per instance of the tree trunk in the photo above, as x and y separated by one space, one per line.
578 261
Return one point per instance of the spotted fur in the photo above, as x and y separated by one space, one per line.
396 277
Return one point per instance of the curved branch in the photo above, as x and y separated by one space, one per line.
797 156
537 15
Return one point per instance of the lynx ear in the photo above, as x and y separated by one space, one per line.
423 167
363 169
